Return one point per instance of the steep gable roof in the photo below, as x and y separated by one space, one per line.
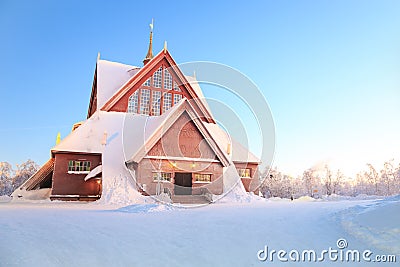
183 107
108 78
142 74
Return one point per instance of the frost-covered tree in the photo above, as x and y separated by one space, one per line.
310 181
372 177
6 173
328 181
337 182
23 172
388 177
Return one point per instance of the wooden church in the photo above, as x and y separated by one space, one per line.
150 123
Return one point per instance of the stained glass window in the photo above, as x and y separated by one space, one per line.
167 80
155 104
176 87
167 101
144 101
133 102
147 82
157 77
177 98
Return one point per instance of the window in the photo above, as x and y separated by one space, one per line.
177 98
201 177
133 102
167 80
78 166
155 103
144 101
244 173
147 82
165 176
157 78
167 101
176 87
157 95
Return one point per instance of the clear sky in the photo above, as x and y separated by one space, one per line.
330 70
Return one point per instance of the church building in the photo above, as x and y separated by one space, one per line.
151 124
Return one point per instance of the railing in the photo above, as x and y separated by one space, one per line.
168 192
207 194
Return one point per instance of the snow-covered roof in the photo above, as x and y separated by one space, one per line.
111 76
134 130
238 151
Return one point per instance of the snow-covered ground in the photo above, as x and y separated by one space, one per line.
225 234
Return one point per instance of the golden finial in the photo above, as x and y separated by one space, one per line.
165 46
58 139
149 55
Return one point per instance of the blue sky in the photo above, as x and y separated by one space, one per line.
329 69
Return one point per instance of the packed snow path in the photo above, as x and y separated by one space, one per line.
76 234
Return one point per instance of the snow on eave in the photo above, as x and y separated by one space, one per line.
239 153
197 89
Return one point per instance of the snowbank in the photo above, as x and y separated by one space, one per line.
335 197
5 198
145 208
39 194
377 223
234 190
305 198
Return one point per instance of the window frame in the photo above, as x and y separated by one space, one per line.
141 102
244 171
79 166
164 177
202 180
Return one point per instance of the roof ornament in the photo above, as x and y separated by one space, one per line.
165 46
58 139
149 55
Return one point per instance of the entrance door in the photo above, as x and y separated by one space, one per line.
183 183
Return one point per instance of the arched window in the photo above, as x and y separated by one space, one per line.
133 103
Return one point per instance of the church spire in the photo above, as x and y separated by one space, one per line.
149 55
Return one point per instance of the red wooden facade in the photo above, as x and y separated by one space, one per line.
70 184
184 157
